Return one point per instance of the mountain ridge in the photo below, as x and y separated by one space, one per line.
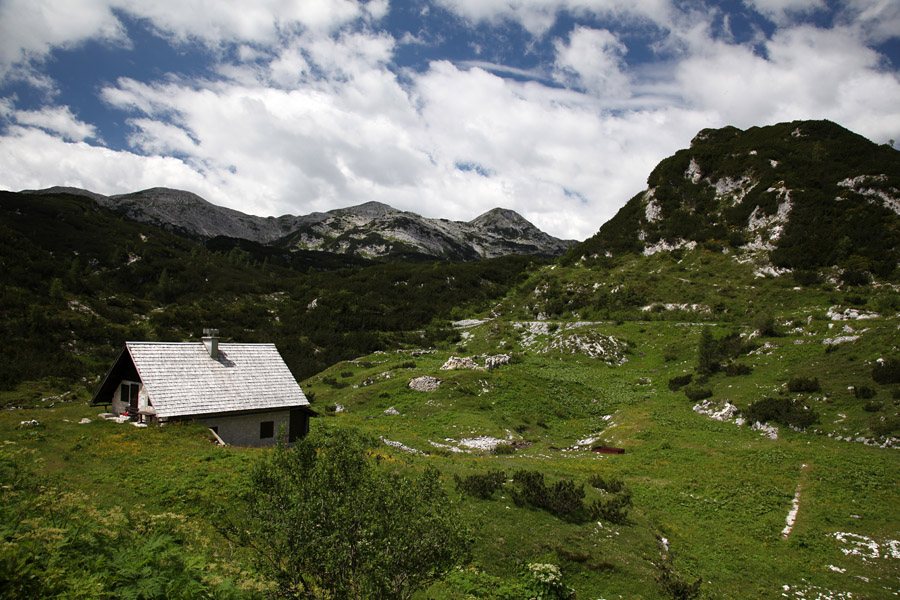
368 230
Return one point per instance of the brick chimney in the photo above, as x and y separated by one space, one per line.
211 341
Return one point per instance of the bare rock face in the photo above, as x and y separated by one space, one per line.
490 362
459 362
424 384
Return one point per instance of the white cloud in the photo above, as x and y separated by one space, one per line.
592 60
781 11
57 119
811 73
29 29
877 20
538 16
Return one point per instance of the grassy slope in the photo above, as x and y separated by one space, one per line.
717 492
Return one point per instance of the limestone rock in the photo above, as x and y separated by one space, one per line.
424 383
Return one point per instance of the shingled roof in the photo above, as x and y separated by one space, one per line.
181 379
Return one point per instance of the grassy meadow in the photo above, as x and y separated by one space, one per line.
709 500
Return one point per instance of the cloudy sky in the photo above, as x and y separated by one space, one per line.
557 109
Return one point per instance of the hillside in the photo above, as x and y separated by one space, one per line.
79 280
798 196
370 230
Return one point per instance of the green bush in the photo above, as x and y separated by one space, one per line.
873 406
885 426
482 485
349 548
504 449
611 484
56 543
783 411
612 507
887 371
764 324
695 393
676 383
563 497
863 392
803 384
736 369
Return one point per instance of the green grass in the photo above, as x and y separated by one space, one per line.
718 493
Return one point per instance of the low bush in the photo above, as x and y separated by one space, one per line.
886 371
804 277
335 383
674 585
612 507
764 324
803 384
611 483
863 392
873 406
676 383
735 369
504 449
783 411
670 353
482 485
563 497
696 393
346 374
885 426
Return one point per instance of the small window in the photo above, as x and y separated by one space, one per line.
266 429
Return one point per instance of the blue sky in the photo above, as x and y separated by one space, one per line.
557 109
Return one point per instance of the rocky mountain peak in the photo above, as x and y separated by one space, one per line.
369 230
369 210
800 195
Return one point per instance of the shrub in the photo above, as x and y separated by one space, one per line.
676 383
806 277
670 353
482 485
764 324
887 371
562 497
781 410
544 581
347 550
611 484
863 392
735 369
803 384
695 393
873 406
334 383
675 585
885 426
707 353
612 507
346 374
504 449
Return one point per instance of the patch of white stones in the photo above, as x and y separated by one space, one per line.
400 446
728 413
862 185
